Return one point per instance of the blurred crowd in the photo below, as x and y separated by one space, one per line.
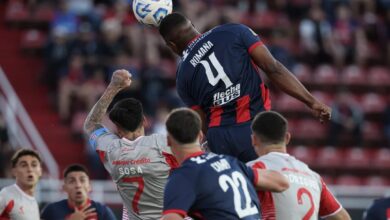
89 39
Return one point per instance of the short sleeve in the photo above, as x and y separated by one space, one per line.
252 176
101 139
108 214
328 203
46 213
257 164
249 38
179 194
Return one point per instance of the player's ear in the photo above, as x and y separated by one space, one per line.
287 138
256 142
200 137
145 122
173 47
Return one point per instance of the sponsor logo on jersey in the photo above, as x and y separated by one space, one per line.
143 160
231 93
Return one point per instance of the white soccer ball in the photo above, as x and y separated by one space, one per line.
151 12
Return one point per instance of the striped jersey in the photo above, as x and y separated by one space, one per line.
217 75
140 169
17 205
306 198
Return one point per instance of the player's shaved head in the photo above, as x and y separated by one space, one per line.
270 127
127 114
177 31
184 125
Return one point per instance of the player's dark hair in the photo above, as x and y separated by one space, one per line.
75 168
170 23
270 126
24 152
184 125
127 114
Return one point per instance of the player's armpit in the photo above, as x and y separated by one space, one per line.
172 216
271 181
341 215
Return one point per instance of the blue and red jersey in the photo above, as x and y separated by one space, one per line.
212 186
63 209
217 74
379 210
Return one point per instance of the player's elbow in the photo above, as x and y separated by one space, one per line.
281 183
273 181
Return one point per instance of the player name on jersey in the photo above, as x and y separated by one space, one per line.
201 52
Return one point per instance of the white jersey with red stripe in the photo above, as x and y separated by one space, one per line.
17 205
140 169
305 199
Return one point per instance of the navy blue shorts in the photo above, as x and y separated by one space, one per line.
232 140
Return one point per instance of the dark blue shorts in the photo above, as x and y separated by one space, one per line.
232 140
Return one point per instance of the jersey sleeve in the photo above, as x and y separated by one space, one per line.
328 203
249 172
249 38
101 139
6 204
165 150
179 194
374 213
47 213
108 214
258 164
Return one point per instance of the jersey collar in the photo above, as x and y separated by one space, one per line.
194 155
23 193
87 203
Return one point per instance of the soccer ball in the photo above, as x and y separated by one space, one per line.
151 12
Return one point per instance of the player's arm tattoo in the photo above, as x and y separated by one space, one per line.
95 116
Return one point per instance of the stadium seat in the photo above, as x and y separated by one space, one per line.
329 180
326 75
16 12
381 158
310 129
303 73
323 97
329 157
286 103
379 76
357 158
303 153
353 75
348 180
43 14
372 131
33 40
376 181
373 103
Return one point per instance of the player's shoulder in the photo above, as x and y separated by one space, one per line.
152 140
381 202
56 205
234 28
9 191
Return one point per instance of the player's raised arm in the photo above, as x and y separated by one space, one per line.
286 81
271 181
120 80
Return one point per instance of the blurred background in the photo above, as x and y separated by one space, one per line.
56 58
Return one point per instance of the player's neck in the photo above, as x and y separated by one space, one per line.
186 151
78 204
275 148
29 190
134 135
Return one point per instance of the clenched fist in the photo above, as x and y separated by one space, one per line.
121 79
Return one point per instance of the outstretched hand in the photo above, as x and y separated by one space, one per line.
121 79
321 111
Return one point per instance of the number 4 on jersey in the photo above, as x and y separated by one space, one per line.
221 75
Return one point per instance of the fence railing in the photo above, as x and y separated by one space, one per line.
23 132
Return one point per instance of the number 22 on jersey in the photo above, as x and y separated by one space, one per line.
237 182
